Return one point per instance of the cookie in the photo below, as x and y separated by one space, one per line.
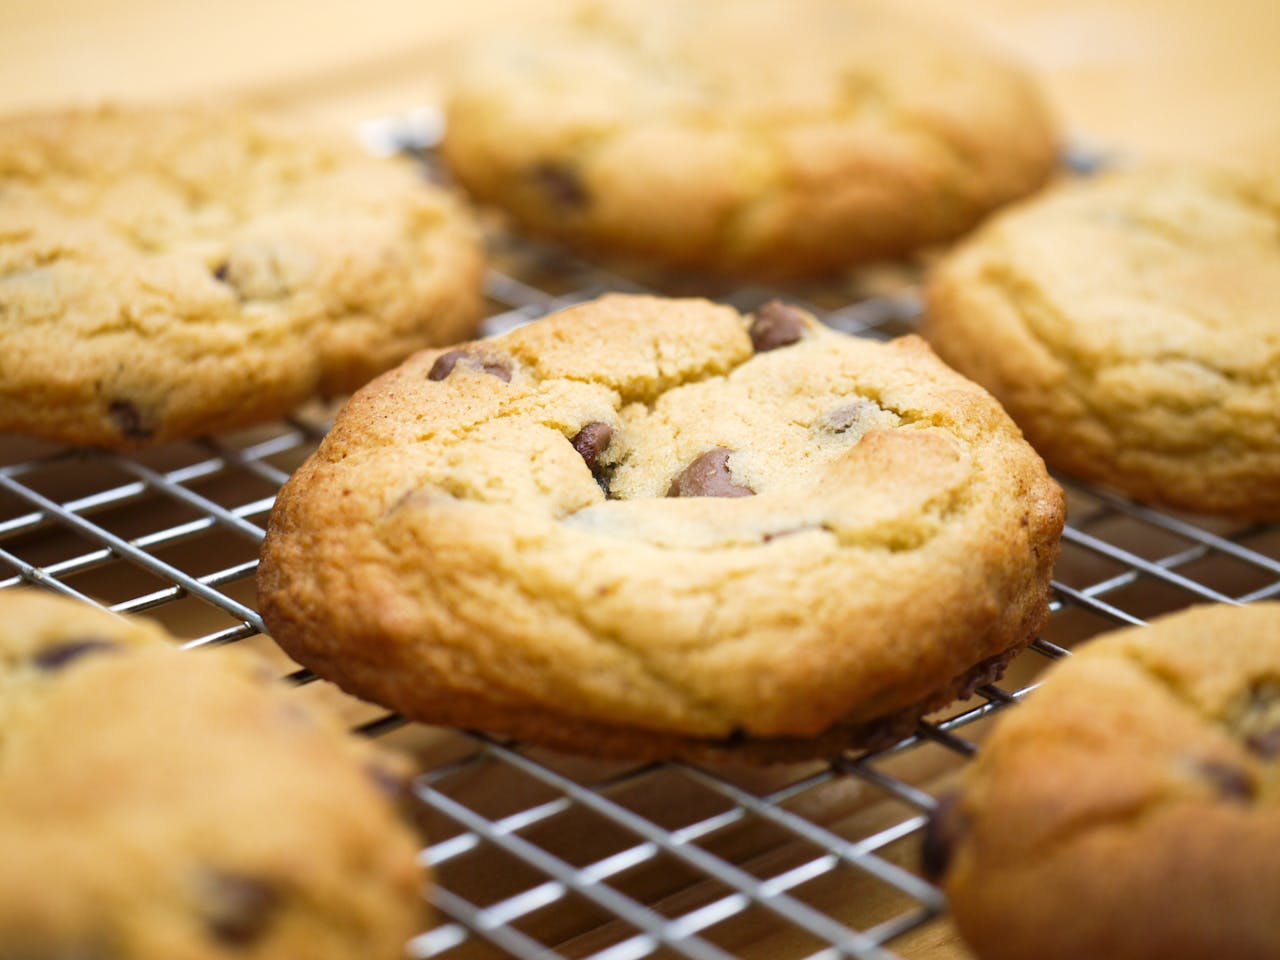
1130 808
1129 325
161 804
171 272
649 528
745 137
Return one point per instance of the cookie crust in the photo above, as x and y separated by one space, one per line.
174 271
450 552
745 137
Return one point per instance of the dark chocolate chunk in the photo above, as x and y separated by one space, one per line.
238 909
222 271
942 834
57 657
708 476
591 441
129 420
1266 744
1232 782
447 361
776 325
561 184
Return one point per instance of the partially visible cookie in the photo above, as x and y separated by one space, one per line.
170 272
159 804
1130 808
651 528
746 137
1129 324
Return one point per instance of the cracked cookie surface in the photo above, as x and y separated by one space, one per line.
159 803
1129 325
745 137
170 272
650 527
1130 808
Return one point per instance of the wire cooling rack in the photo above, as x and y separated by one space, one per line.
536 854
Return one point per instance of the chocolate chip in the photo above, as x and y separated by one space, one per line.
1266 744
129 420
842 419
447 361
776 325
238 909
591 441
221 272
708 476
1232 782
942 834
561 184
57 657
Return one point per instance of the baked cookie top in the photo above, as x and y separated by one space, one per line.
167 272
745 136
161 804
1130 808
662 517
1129 324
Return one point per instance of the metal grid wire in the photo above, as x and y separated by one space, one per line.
541 855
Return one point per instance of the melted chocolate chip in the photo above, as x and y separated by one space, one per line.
842 419
561 184
591 441
57 657
942 834
447 361
222 271
238 909
1265 744
708 476
1231 781
129 420
776 325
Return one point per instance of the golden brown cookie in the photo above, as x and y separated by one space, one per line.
747 137
1129 325
648 527
158 804
165 273
1130 808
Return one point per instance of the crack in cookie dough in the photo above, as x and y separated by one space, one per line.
210 270
744 136
1128 324
529 558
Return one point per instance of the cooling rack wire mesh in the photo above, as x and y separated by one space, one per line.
535 854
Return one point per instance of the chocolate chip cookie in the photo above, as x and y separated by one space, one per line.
158 803
1129 325
746 137
165 273
1130 809
650 528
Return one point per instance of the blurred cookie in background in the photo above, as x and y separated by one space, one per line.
745 137
170 272
1128 323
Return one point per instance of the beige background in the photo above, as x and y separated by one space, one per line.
1145 78
1154 78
